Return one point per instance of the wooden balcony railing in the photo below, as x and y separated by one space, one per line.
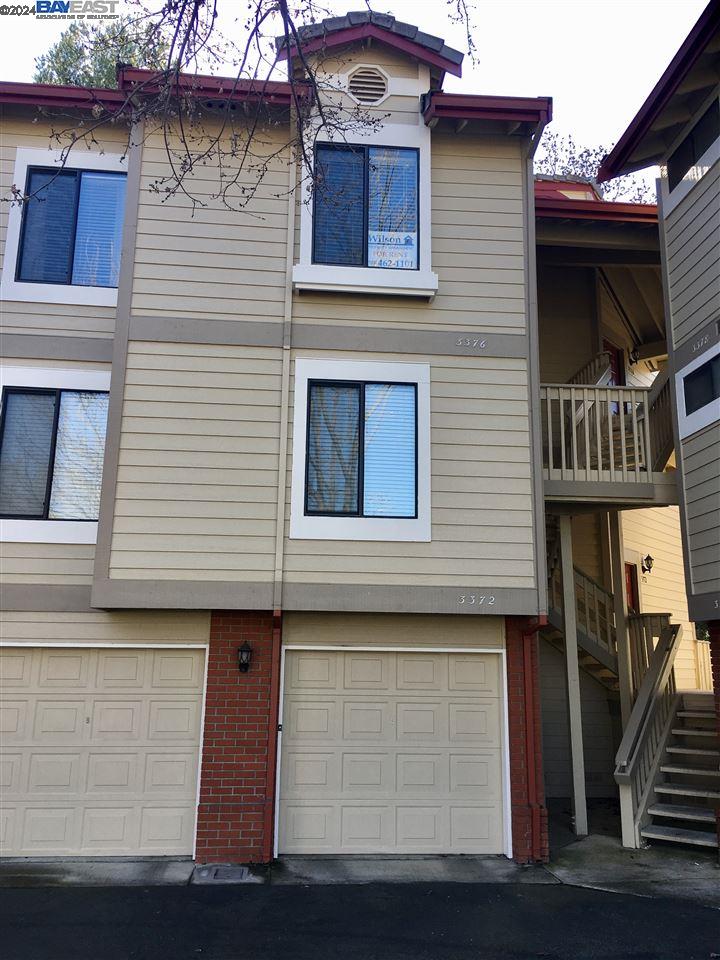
596 433
644 630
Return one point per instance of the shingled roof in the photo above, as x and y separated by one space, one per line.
359 24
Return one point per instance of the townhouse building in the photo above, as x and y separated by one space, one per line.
678 128
282 490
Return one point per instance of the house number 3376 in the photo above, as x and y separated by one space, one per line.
475 598
475 342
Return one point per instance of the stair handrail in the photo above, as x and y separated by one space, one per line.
659 414
597 370
643 742
655 681
657 386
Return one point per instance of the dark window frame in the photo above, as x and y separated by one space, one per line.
76 173
57 393
710 363
677 168
360 385
365 150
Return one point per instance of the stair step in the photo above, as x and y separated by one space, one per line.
698 838
693 732
697 714
695 771
694 751
679 811
680 790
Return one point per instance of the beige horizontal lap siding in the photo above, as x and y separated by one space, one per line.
46 563
587 544
211 257
481 490
657 531
49 319
477 249
197 476
101 627
387 630
692 239
701 468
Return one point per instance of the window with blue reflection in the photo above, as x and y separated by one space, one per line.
72 227
361 449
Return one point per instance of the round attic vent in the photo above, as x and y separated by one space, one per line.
367 85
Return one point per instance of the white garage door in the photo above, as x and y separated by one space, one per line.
391 753
99 750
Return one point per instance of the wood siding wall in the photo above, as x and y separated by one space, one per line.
701 475
692 240
100 627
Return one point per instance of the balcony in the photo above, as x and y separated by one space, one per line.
607 444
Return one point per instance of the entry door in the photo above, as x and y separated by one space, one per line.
391 753
631 587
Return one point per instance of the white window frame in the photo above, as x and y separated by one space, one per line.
689 423
53 378
378 280
303 527
17 290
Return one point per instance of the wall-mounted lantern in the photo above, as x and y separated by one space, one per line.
647 564
634 356
244 657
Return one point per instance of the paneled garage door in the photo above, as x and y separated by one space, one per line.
99 750
391 753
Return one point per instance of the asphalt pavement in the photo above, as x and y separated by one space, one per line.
372 921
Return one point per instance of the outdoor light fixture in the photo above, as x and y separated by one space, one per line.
634 355
244 657
647 564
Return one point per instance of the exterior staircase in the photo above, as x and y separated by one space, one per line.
687 788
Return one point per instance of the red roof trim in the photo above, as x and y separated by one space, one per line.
616 161
371 30
50 95
457 106
595 210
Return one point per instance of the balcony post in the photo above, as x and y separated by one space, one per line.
572 667
621 623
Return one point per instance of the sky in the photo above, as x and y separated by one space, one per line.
598 60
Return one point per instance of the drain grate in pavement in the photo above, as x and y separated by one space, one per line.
224 873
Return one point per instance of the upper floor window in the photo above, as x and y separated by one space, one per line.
63 243
702 136
366 206
361 449
697 391
51 453
72 227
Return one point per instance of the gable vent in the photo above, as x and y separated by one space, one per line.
367 85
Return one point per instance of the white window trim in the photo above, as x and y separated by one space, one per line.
304 527
705 416
379 280
53 378
671 198
12 289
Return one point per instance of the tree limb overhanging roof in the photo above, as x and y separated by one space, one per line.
383 27
688 80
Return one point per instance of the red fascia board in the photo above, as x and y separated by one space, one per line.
596 210
372 31
51 95
203 85
456 106
617 160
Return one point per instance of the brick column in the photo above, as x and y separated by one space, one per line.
527 790
233 825
714 627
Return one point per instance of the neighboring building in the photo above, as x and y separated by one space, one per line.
678 127
321 457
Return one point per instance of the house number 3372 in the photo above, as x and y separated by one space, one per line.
476 599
